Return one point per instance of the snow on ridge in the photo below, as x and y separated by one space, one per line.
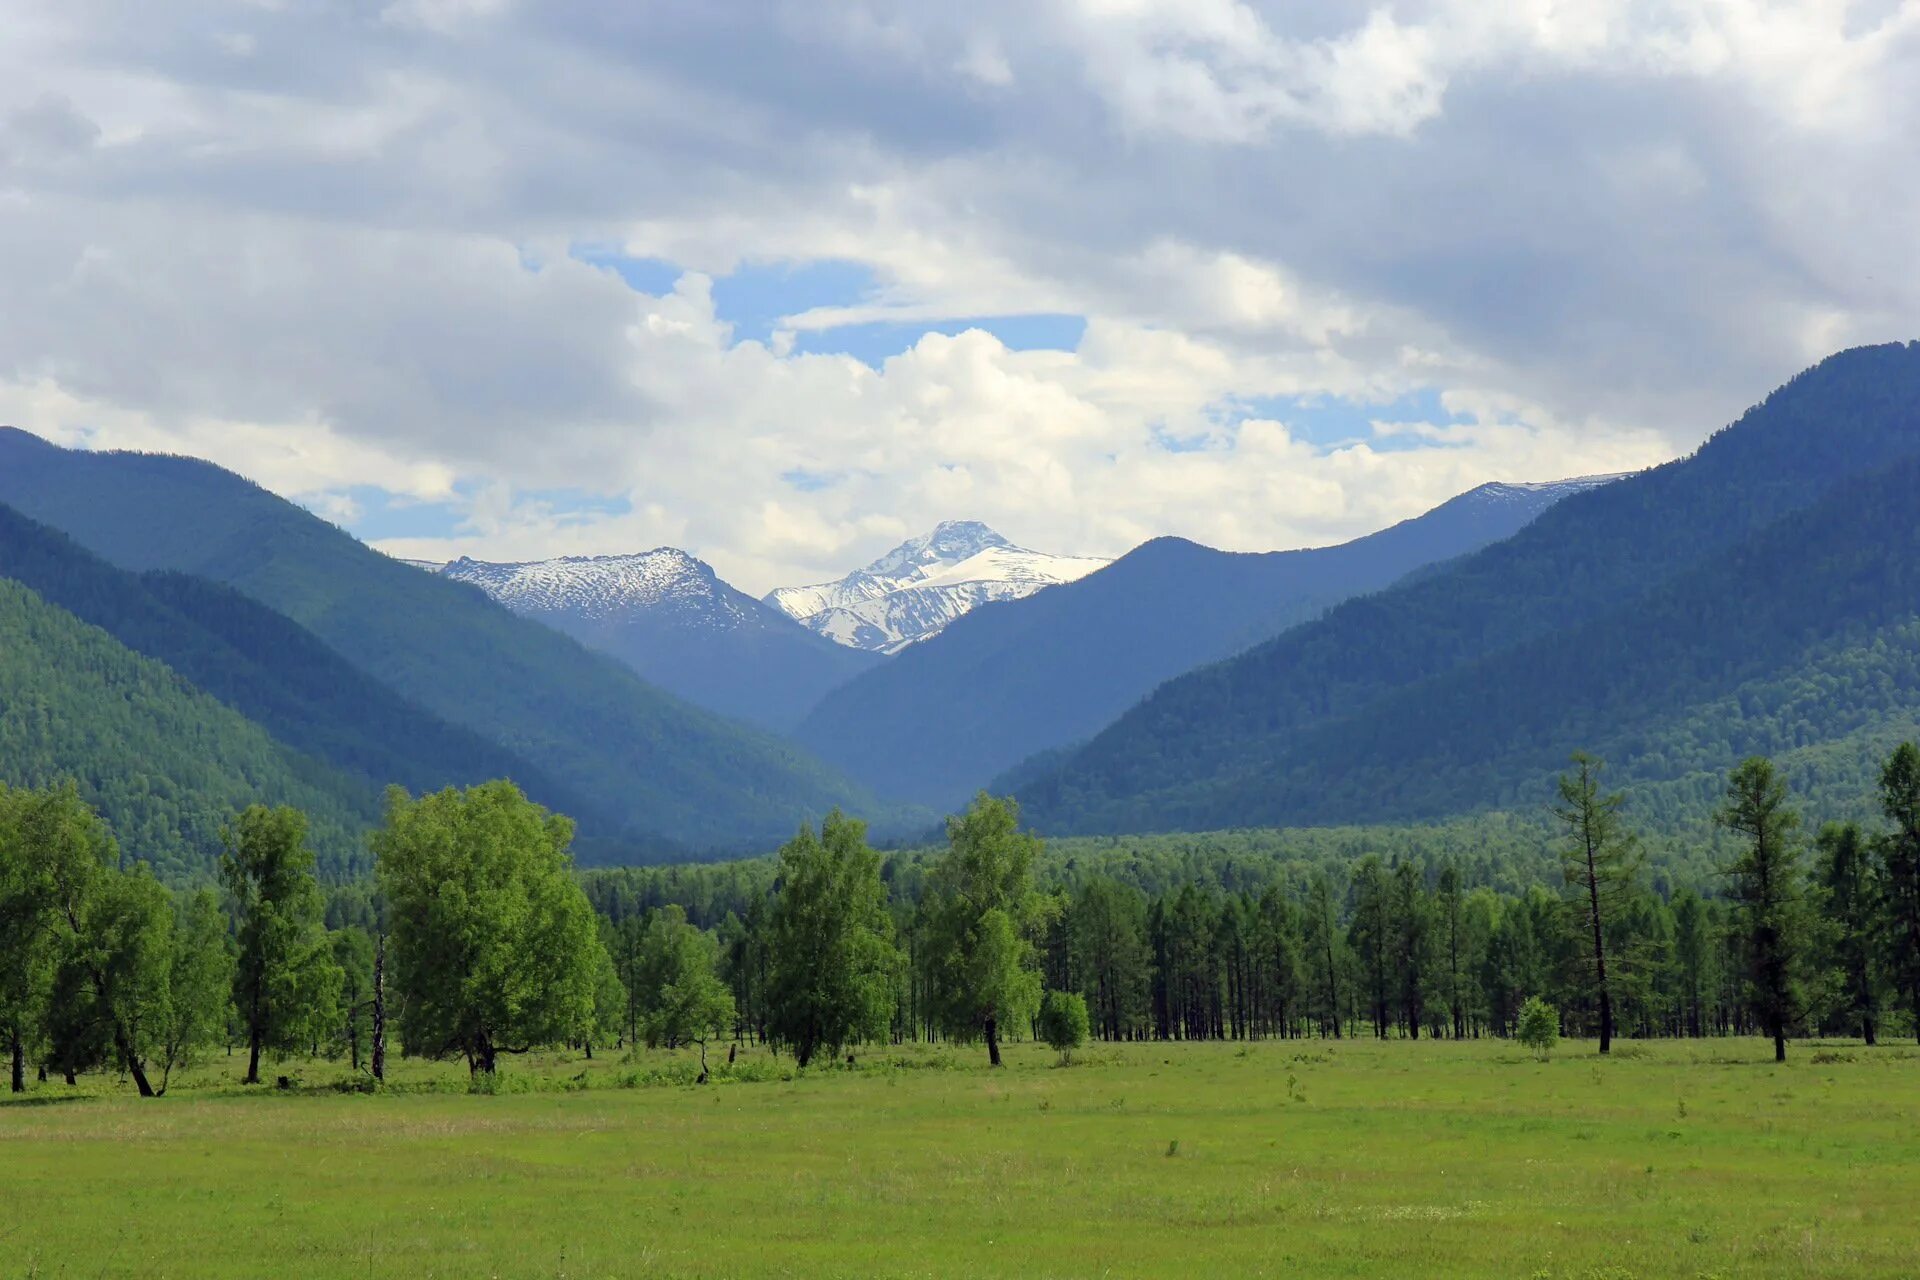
605 586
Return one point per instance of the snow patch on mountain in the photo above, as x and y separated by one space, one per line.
920 586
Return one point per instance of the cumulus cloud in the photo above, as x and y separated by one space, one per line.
337 248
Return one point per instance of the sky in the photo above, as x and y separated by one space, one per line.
784 282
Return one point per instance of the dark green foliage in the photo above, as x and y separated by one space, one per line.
1769 894
1629 618
1853 905
267 668
1063 1021
165 763
649 768
1900 859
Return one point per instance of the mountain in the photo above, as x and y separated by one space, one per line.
265 667
922 585
1759 595
671 618
950 713
658 768
167 764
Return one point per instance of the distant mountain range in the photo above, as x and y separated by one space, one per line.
1008 680
1760 596
643 770
180 643
671 618
917 589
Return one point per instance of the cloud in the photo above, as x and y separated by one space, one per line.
334 247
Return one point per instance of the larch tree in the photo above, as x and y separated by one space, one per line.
1769 896
833 961
1900 862
1601 866
1449 904
494 946
984 977
1847 877
286 986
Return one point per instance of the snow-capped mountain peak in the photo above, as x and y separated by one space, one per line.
913 591
588 587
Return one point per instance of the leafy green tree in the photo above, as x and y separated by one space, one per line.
1845 872
684 1000
1063 1022
1900 858
1601 865
1538 1027
353 952
1770 896
113 934
831 945
494 944
286 985
200 983
609 1003
29 952
983 971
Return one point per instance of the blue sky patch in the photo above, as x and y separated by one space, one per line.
1332 421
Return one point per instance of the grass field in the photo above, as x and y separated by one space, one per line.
1284 1159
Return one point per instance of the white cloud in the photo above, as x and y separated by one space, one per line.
328 246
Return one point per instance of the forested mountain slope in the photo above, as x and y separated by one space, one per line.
660 767
265 667
165 763
1596 626
668 616
950 713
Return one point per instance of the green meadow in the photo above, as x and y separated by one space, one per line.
1281 1158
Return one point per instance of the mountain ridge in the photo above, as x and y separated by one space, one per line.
1011 679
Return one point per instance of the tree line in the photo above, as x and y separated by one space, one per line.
477 939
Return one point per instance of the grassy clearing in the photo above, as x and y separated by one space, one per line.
1345 1159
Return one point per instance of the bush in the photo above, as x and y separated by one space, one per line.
1063 1022
1539 1027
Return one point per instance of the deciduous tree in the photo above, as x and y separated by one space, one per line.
494 943
832 956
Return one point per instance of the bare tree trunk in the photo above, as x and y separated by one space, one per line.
253 1057
19 1063
134 1067
993 1042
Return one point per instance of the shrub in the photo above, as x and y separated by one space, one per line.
1063 1022
1539 1027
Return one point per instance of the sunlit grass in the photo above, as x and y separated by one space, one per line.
1282 1158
